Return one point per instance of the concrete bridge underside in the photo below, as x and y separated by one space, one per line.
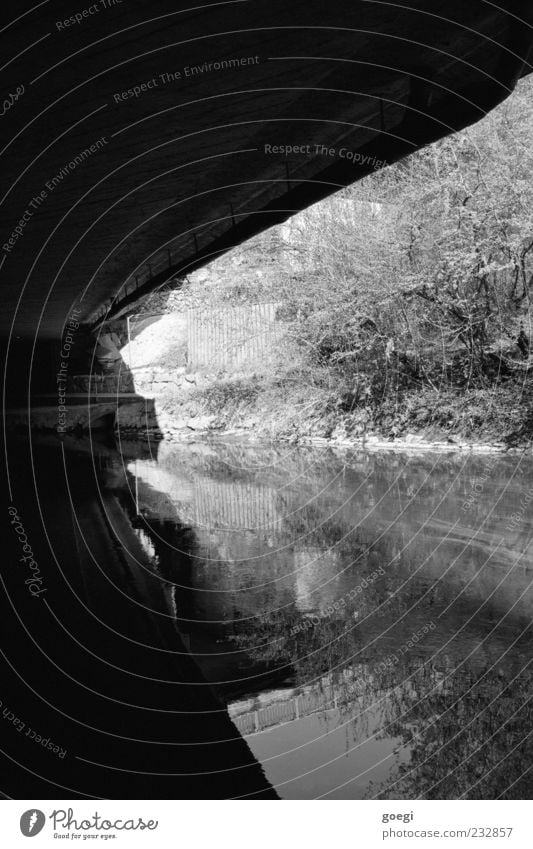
141 140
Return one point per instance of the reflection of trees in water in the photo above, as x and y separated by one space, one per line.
467 736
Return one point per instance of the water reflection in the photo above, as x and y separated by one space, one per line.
365 618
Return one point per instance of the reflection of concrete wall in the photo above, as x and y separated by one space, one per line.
251 530
210 503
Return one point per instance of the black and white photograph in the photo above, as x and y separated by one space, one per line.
266 282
